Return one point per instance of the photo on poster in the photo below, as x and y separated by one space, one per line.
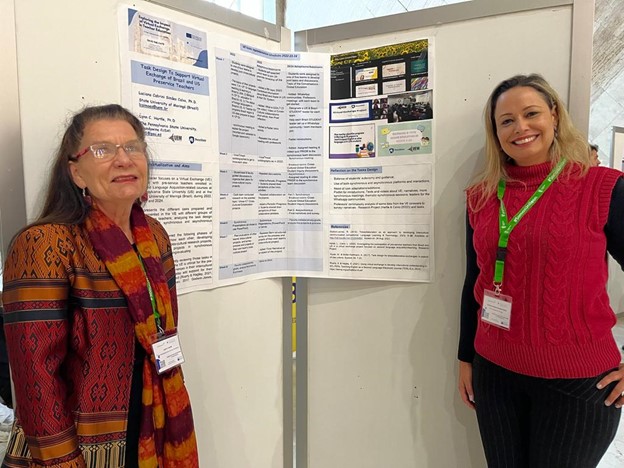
393 69
419 83
380 108
419 63
394 87
165 39
352 141
383 65
407 138
366 90
354 111
366 74
410 106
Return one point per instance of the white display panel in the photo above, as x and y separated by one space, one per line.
382 364
68 57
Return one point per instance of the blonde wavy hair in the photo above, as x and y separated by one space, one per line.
568 143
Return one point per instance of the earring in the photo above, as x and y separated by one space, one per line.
143 199
556 132
86 197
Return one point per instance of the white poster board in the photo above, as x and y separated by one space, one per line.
617 148
67 57
382 363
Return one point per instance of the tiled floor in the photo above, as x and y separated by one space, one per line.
614 458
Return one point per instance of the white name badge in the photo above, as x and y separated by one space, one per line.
168 353
496 310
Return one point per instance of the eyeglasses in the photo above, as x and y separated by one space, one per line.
134 149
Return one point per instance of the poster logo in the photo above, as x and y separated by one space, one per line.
193 139
175 138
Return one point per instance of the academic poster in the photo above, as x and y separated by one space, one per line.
381 162
268 163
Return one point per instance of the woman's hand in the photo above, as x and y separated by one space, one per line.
617 394
465 384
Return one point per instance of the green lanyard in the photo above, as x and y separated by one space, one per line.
152 298
154 307
505 226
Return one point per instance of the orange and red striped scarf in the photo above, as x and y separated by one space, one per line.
167 435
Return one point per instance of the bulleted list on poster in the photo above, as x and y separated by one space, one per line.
380 225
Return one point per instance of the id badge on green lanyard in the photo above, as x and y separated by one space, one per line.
166 347
496 308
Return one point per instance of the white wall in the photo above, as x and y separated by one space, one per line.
233 347
382 356
67 55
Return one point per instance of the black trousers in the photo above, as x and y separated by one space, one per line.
530 422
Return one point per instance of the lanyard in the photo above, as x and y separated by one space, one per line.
506 226
154 307
152 298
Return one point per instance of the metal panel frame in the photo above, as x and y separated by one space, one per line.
287 373
221 15
441 15
612 161
301 379
582 33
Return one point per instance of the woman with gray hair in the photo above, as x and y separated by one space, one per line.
90 299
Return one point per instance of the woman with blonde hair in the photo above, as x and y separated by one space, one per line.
538 360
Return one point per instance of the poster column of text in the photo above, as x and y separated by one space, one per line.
165 70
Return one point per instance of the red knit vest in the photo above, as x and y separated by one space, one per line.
555 272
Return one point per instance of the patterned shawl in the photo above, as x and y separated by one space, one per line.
167 435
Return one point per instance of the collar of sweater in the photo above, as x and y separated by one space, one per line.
533 176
